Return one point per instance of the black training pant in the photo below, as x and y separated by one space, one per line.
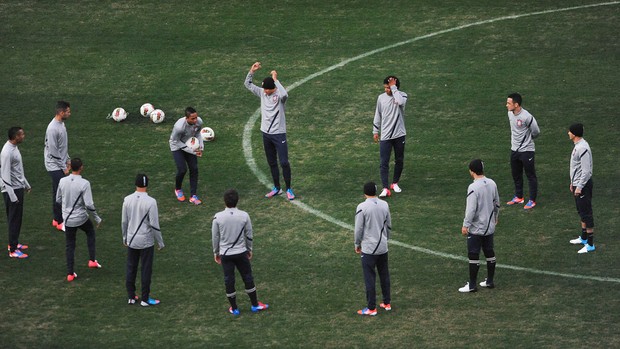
520 161
183 160
134 256
385 151
276 147
14 214
380 262
70 234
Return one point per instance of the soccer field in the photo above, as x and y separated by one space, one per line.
457 61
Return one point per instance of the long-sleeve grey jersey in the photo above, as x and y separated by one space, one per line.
140 221
12 171
231 232
182 131
581 165
77 200
523 130
389 118
482 207
272 107
373 224
56 151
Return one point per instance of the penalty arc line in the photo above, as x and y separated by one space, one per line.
251 162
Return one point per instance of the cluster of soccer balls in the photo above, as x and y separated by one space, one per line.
157 116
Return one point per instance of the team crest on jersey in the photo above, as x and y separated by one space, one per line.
519 122
275 98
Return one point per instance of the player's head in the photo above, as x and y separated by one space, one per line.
576 130
15 133
142 180
191 116
63 109
231 198
387 80
370 189
477 166
269 85
76 164
513 101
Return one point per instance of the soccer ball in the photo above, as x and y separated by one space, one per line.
193 143
119 114
207 134
146 109
157 116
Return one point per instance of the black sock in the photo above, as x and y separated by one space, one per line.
473 274
233 302
584 234
253 296
591 239
490 270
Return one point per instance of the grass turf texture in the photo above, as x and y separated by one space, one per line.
100 55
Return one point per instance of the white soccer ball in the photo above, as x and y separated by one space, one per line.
193 143
157 116
119 114
146 109
207 134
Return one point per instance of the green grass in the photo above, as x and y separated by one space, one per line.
104 54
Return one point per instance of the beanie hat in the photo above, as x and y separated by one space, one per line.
268 83
576 129
370 189
142 181
476 166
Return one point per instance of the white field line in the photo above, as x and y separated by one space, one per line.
249 158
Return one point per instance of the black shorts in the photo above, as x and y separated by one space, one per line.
476 242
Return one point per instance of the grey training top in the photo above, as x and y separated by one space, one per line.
12 171
56 151
482 207
231 232
77 200
523 130
140 221
389 118
373 225
272 107
581 164
182 131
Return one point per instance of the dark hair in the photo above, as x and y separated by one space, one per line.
231 198
385 81
576 129
76 164
268 83
370 189
516 98
142 180
13 131
62 106
477 166
189 111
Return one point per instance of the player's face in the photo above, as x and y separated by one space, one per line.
510 105
571 136
192 118
65 114
387 89
269 91
20 136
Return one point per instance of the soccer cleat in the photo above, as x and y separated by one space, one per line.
179 194
19 247
94 264
133 300
487 284
466 289
235 312
195 200
515 200
530 204
18 254
150 302
387 307
289 194
587 248
578 241
71 277
275 191
385 192
259 307
367 311
395 187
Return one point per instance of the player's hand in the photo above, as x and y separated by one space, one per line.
464 231
256 66
217 259
99 223
375 137
199 153
161 247
250 254
392 82
274 75
571 187
358 249
577 191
